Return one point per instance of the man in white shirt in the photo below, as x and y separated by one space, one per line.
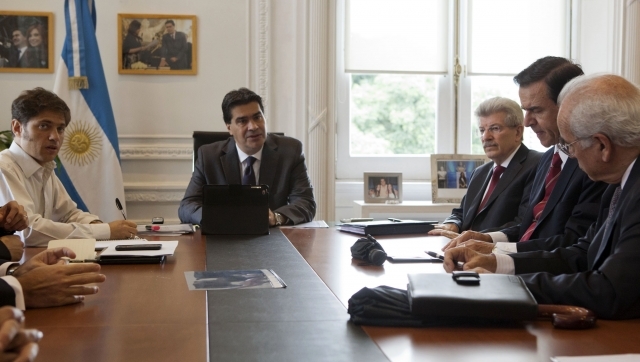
599 125
27 167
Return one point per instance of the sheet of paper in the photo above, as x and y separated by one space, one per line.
168 248
604 358
308 225
84 248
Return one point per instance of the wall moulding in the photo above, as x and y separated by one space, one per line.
160 152
154 192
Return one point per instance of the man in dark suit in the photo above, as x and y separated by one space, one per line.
599 122
563 202
174 48
18 55
252 157
496 189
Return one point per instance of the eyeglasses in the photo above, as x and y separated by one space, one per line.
492 130
567 148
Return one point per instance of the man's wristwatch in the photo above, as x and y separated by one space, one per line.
280 220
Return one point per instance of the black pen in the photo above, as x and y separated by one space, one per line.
119 206
441 257
392 219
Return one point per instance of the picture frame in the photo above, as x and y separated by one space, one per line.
26 42
157 44
450 175
383 187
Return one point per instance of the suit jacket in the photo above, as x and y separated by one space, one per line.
7 294
282 168
28 59
599 272
572 207
175 48
509 198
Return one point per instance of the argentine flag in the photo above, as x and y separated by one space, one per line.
90 157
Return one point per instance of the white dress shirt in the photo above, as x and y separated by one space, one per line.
51 212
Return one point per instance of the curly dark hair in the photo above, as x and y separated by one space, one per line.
32 102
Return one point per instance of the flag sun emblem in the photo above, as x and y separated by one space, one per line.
82 143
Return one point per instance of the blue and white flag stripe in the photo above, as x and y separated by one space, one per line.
90 156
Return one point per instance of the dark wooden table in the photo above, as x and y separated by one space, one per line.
327 251
142 313
146 312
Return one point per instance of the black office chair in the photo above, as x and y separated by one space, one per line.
204 138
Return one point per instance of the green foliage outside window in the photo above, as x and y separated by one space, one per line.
393 114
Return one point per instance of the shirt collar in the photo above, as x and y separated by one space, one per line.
563 156
505 163
27 163
243 156
626 174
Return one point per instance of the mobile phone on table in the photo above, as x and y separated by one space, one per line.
138 247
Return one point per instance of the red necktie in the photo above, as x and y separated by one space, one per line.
549 183
497 172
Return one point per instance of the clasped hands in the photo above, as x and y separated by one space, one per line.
471 248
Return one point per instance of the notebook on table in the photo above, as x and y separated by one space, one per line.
387 227
235 210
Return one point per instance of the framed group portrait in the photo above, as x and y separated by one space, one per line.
383 187
26 42
157 44
450 175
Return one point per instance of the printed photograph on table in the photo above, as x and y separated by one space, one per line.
157 44
383 187
233 279
26 42
450 175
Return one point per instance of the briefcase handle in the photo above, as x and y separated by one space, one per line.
567 316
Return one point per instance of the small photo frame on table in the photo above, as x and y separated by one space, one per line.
26 42
450 176
157 44
383 187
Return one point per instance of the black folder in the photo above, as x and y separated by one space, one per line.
386 227
471 296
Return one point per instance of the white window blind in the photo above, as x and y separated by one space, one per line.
505 36
399 36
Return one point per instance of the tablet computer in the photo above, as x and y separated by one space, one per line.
235 210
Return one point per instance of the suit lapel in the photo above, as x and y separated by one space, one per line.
563 181
606 243
269 162
538 192
231 163
473 207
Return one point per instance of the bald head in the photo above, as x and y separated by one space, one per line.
602 103
599 120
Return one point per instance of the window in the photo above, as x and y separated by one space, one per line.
398 99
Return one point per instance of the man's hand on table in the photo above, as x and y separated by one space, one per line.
467 235
16 343
473 261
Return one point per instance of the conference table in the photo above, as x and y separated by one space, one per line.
147 313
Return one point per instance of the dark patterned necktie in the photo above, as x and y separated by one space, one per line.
497 172
249 177
612 206
549 183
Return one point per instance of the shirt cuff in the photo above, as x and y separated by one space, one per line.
505 264
17 289
498 237
101 231
505 248
5 266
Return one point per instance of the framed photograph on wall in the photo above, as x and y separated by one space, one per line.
26 42
383 187
157 44
450 175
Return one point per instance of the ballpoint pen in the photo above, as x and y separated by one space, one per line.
119 206
393 219
441 257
